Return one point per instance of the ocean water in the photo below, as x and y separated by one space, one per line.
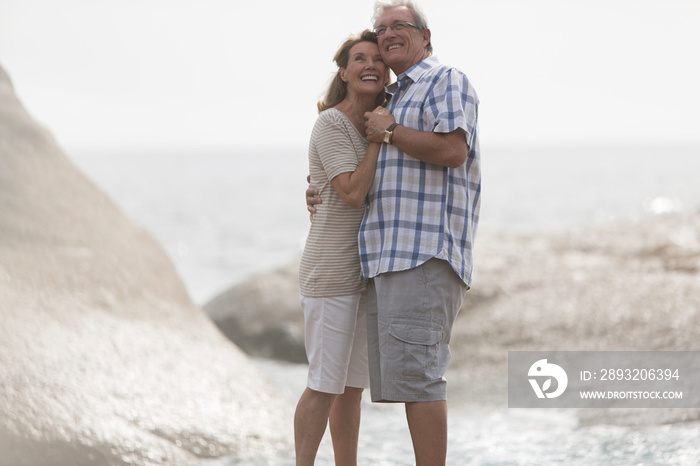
494 437
225 216
221 215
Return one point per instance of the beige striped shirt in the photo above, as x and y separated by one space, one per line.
330 264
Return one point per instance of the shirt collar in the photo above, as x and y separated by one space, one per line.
414 73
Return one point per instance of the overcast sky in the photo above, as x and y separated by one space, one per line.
169 73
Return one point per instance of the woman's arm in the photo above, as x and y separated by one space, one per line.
354 186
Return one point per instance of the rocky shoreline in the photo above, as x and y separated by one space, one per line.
619 287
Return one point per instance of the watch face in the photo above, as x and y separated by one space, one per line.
387 136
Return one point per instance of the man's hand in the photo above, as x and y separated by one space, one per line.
312 199
376 122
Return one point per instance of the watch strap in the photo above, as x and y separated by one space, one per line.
389 133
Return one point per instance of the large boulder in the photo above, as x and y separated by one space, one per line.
104 359
263 316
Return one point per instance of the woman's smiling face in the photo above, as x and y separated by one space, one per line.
366 72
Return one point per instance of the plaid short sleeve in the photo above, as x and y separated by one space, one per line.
416 210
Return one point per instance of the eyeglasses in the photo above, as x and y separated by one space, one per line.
395 26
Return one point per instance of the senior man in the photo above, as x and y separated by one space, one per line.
417 235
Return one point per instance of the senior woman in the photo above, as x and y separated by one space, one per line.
342 165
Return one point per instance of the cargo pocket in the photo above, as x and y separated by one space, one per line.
420 356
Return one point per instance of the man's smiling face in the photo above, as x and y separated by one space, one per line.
404 48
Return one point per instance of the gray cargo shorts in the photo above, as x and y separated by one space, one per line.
409 322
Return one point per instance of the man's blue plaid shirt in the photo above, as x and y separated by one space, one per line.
416 210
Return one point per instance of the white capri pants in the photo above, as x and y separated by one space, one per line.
336 342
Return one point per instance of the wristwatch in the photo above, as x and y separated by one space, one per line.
389 133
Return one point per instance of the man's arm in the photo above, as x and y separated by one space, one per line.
312 198
446 149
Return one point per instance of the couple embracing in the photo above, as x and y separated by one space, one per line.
395 194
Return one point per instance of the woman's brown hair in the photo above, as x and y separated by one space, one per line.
338 89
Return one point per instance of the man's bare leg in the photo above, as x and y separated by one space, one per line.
427 422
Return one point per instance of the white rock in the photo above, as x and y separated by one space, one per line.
104 359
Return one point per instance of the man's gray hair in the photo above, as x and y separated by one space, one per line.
421 21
